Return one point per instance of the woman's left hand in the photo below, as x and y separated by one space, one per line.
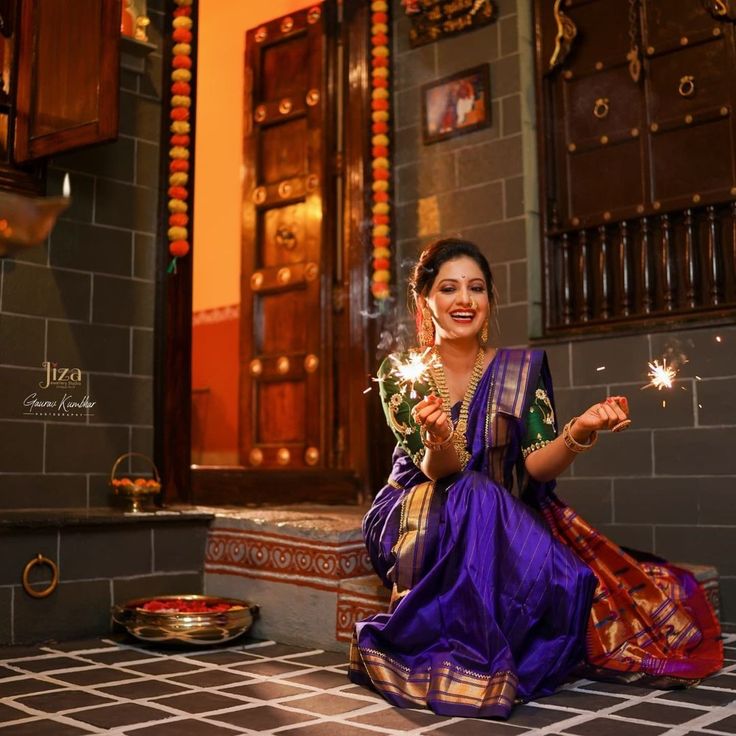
611 413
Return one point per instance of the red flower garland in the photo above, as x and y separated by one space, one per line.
181 101
380 150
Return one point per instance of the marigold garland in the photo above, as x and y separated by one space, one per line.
380 150
179 142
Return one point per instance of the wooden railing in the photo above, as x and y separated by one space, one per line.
654 268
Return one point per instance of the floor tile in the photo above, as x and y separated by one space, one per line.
187 727
118 656
580 700
323 659
96 676
162 667
262 717
8 653
10 714
328 704
7 672
266 690
699 696
727 724
330 728
533 717
618 688
9 688
270 667
660 713
364 691
613 727
225 657
41 728
80 644
209 678
399 719
143 689
47 664
478 727
59 700
120 714
203 702
322 679
724 680
273 650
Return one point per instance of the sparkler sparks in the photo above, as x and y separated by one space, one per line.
412 370
661 376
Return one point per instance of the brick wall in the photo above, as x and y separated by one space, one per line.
666 484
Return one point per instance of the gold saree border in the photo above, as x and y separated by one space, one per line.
447 683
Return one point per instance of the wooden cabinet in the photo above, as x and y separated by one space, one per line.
60 82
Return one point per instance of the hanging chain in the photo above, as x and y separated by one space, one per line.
634 32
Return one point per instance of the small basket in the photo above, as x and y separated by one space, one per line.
135 490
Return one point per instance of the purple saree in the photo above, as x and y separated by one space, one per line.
490 603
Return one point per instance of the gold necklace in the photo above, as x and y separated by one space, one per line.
440 381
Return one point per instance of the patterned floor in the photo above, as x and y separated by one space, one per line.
102 686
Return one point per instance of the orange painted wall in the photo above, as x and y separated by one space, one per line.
220 60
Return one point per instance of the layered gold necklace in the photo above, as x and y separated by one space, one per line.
440 381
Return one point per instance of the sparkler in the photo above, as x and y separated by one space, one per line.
412 370
660 376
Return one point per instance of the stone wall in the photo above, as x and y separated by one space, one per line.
665 485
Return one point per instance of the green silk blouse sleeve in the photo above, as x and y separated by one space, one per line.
541 427
397 406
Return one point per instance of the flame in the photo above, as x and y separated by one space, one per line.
412 370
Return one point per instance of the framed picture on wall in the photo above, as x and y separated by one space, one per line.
456 105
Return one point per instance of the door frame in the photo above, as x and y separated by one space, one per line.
173 371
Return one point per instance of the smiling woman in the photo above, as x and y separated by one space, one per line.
499 594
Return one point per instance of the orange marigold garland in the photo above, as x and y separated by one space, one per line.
380 151
181 101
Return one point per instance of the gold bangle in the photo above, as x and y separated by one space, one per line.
572 444
430 444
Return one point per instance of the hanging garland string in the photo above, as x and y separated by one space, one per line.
380 151
181 102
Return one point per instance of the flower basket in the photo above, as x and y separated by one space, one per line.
135 491
185 619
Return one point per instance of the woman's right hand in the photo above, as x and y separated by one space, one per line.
430 416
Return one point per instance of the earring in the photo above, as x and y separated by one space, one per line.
426 331
483 336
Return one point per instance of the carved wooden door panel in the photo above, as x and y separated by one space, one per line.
285 405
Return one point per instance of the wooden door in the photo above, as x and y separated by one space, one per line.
286 408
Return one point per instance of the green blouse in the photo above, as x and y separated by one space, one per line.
397 406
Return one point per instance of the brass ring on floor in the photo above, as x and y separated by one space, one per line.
39 559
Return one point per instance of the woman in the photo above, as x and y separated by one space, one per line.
500 591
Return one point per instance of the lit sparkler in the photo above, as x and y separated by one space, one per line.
412 370
660 376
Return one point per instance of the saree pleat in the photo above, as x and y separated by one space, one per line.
498 598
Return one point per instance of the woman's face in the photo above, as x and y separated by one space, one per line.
458 300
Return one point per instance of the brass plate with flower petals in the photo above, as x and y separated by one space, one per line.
284 275
311 456
287 24
259 195
261 34
314 14
285 106
285 189
256 367
283 456
256 280
283 365
255 456
311 363
260 113
312 97
310 271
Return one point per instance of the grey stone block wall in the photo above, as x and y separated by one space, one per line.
668 484
85 299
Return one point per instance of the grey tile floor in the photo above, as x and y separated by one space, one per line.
116 687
